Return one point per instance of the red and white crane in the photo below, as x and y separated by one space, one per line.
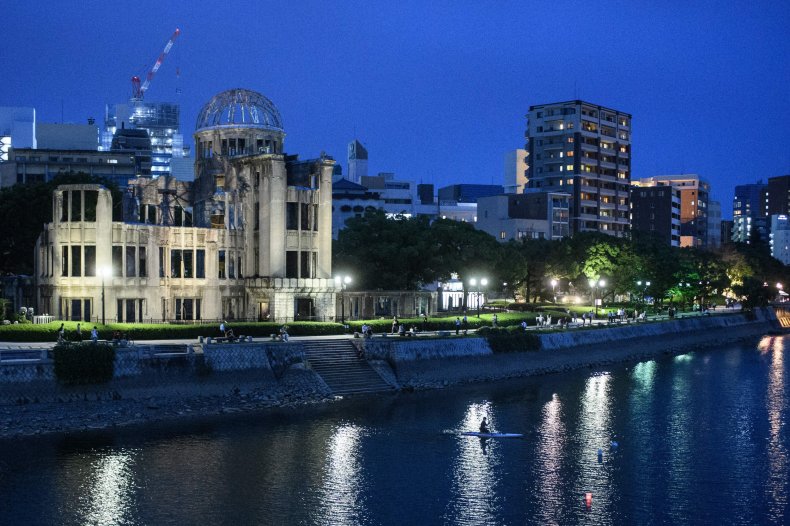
139 90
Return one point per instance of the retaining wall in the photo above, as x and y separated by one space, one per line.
437 362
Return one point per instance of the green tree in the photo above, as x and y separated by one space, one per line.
25 209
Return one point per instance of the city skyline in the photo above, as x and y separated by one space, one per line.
436 95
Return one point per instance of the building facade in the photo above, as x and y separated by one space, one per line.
750 212
515 165
694 195
584 150
780 238
531 215
779 195
656 209
27 165
357 161
249 239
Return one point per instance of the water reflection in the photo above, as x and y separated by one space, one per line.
110 497
341 497
475 469
679 438
551 446
777 452
594 434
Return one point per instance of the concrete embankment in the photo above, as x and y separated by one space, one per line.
433 363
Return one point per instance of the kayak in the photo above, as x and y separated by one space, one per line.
491 435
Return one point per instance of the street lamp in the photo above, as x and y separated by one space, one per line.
104 272
553 285
593 285
342 282
643 290
473 284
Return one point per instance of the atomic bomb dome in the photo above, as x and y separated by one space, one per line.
239 108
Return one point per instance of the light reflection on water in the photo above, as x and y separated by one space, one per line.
341 496
110 499
777 449
703 439
475 471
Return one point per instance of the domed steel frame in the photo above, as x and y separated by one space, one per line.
239 108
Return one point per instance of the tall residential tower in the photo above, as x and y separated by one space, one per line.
585 150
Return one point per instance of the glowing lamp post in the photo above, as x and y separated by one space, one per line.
553 286
104 272
342 282
476 289
593 285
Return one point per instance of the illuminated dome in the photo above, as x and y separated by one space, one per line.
239 108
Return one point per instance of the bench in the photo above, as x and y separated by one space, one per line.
224 339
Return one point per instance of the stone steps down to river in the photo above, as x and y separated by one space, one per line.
337 363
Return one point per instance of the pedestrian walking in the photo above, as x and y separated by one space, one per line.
95 334
61 333
494 320
457 325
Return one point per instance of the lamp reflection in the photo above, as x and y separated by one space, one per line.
341 491
594 434
474 481
550 449
110 491
777 452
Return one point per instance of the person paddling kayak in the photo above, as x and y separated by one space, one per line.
484 426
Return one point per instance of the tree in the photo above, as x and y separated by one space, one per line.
25 209
386 254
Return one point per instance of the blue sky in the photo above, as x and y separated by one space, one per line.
437 91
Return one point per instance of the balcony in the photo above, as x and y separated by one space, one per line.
589 147
588 202
607 206
588 189
607 191
608 164
554 146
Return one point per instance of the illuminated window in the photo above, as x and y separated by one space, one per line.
502 235
569 154
569 167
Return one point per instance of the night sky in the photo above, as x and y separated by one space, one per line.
437 91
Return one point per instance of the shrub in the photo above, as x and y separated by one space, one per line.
81 364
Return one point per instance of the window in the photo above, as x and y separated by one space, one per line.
64 262
315 217
91 199
305 216
188 308
503 235
221 265
141 261
292 264
257 215
292 216
76 261
90 260
117 260
162 262
188 259
131 262
231 266
76 205
200 263
175 263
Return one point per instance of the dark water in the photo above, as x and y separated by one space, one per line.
703 439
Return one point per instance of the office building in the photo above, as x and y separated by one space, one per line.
714 224
779 195
780 237
750 212
530 215
584 150
27 165
468 193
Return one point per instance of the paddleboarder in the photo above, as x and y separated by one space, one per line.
484 426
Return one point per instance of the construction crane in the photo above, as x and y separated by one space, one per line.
139 90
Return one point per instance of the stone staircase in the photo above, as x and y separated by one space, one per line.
336 361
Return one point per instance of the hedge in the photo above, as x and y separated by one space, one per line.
511 339
85 363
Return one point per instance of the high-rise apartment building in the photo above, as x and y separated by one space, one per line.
584 150
694 194
656 210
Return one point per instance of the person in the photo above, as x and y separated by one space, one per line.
424 318
61 333
116 335
95 334
395 324
401 330
484 426
284 333
222 328
465 323
457 325
364 330
229 334
78 333
524 325
494 320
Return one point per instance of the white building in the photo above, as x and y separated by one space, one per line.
515 171
780 238
531 215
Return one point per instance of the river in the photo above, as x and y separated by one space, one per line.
702 438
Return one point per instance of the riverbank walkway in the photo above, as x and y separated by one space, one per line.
8 350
